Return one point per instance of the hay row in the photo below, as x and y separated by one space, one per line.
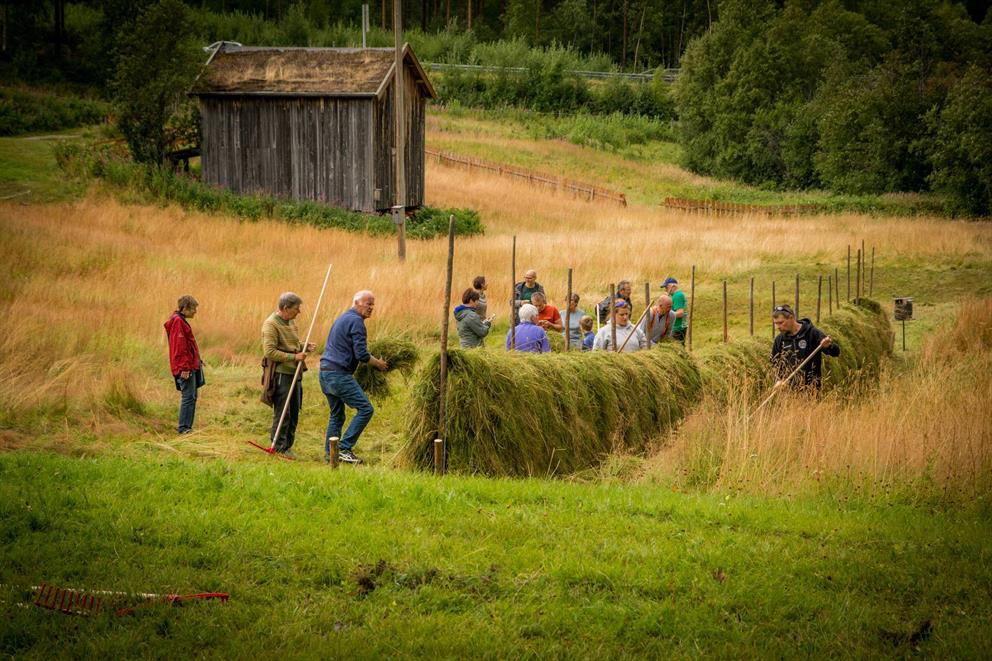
524 414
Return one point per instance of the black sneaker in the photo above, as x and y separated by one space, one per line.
287 453
349 457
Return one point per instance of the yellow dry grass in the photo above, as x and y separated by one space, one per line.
928 431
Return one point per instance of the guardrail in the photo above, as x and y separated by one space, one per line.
589 192
715 208
669 75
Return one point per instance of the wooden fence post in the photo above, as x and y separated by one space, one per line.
857 282
442 425
830 295
849 273
796 311
837 286
871 280
819 295
692 304
335 448
513 296
647 303
613 315
773 308
568 313
725 334
750 307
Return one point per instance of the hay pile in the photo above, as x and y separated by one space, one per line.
531 414
401 355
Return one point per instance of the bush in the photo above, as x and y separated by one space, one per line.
23 110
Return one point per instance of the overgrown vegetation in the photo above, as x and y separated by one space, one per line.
27 110
111 165
845 97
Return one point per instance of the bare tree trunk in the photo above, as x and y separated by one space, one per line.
383 14
423 15
640 30
469 21
447 12
623 47
678 53
537 26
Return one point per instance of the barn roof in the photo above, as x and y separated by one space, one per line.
362 72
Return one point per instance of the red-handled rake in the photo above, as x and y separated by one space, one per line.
73 601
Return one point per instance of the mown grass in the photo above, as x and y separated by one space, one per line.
27 172
369 563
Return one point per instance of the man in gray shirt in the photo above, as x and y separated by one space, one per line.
660 320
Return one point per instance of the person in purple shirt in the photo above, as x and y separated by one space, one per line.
529 336
346 347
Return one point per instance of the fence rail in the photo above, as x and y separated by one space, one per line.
669 75
584 190
714 207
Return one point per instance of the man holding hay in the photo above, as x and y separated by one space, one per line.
625 330
795 342
346 348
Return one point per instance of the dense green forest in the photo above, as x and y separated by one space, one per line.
854 96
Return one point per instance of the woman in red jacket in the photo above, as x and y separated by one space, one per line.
184 359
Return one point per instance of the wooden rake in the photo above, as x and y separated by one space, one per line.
778 386
296 375
74 601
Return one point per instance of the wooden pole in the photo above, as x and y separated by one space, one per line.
438 456
773 308
830 295
725 335
796 310
443 385
819 296
692 304
299 365
335 448
857 282
613 316
399 128
568 313
863 279
849 273
750 307
647 305
871 280
837 287
513 296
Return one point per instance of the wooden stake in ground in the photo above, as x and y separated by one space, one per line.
796 310
568 313
848 273
857 282
871 280
647 306
830 295
335 448
819 295
443 385
692 304
773 308
438 456
513 296
725 338
837 286
299 366
750 307
863 279
613 316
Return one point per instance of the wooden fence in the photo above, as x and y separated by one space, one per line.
586 191
715 208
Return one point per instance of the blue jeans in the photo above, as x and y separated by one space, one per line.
340 389
187 402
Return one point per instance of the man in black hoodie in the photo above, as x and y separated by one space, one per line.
795 341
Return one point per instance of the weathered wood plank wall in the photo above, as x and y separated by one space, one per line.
384 132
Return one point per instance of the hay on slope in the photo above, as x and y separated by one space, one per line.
400 354
530 414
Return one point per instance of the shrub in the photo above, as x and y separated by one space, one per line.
23 110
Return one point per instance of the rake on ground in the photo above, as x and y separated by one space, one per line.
73 601
296 375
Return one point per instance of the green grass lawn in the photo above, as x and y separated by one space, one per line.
28 172
367 563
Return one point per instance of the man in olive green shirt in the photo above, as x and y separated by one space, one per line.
671 285
281 345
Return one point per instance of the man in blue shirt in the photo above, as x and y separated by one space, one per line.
346 347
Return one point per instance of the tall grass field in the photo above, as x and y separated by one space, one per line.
852 524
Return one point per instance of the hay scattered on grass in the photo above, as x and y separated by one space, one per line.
401 354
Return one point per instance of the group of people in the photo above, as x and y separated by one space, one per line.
284 358
797 350
534 318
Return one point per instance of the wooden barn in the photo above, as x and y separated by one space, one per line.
311 123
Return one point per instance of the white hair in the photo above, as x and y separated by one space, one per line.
359 295
527 312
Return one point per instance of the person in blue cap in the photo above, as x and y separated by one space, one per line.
671 285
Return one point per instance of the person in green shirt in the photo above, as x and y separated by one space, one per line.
671 285
522 291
